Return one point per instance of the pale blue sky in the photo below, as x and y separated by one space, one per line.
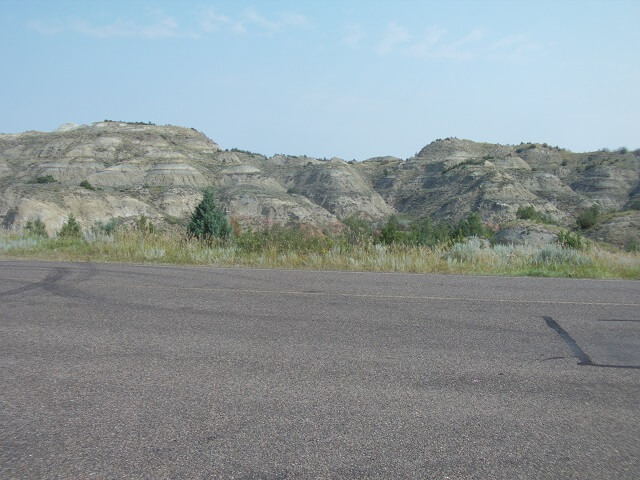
345 78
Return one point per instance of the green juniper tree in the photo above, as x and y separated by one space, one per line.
207 220
71 228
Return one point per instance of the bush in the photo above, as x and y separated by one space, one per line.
531 146
207 220
469 227
70 228
589 218
128 123
284 240
106 228
171 220
359 230
293 191
467 251
44 179
632 245
87 185
570 240
635 205
144 225
36 228
246 152
421 232
530 213
391 232
557 255
425 233
8 244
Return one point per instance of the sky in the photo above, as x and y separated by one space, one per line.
351 79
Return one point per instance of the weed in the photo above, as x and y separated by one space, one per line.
128 123
171 220
559 255
531 146
359 231
632 245
282 247
246 152
87 185
569 240
470 161
144 225
466 252
107 228
44 179
8 244
36 228
530 213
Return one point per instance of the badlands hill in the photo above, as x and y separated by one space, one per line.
159 171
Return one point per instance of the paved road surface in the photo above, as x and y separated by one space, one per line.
124 371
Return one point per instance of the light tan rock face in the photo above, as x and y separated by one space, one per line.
448 178
137 169
160 171
333 184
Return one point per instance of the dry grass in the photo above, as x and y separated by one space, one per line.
290 251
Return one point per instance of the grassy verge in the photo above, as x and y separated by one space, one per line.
290 250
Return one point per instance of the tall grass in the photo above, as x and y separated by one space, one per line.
288 248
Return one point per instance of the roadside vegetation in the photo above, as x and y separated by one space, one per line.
397 245
589 217
530 213
43 179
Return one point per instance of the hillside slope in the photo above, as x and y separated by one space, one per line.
159 171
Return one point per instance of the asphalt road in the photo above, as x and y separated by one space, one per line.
126 371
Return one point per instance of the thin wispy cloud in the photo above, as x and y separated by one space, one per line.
428 44
510 41
436 44
251 18
465 48
395 35
396 39
254 18
159 26
212 21
514 47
